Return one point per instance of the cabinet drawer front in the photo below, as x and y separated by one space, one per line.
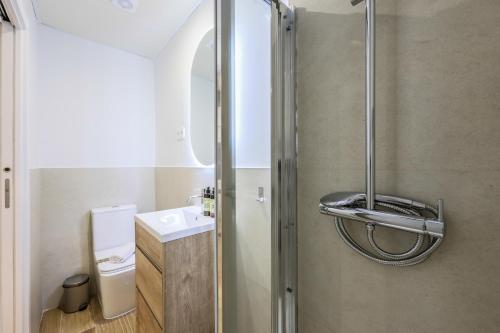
149 245
146 321
189 282
149 283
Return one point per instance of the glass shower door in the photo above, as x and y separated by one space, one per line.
250 158
252 167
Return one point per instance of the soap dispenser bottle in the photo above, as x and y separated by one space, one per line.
206 202
212 203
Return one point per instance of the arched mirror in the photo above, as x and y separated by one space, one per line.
203 101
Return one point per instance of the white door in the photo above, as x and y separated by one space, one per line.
6 177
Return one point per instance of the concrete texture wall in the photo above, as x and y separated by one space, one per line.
438 114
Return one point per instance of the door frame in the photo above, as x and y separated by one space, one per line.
18 320
224 172
7 204
283 167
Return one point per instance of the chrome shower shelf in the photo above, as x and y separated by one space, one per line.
350 205
382 210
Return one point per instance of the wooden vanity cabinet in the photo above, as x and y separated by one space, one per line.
175 283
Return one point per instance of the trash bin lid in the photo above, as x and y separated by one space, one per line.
76 281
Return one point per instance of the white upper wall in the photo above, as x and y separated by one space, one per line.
93 106
173 88
97 106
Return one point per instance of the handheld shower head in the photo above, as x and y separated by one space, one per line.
356 2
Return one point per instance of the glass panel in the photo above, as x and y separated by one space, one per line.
252 160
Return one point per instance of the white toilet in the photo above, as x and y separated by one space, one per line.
113 227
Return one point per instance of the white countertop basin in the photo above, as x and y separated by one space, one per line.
172 224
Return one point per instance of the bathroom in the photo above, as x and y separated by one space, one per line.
350 149
135 127
131 128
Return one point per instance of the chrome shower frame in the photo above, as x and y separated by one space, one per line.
406 215
284 170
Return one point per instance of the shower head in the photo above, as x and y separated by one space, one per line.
356 2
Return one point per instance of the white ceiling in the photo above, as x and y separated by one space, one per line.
145 31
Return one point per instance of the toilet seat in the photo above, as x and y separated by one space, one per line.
112 267
109 267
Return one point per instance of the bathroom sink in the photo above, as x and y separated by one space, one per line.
172 224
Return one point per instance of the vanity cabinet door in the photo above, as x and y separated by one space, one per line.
189 284
150 284
146 321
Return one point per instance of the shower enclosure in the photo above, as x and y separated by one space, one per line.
437 120
437 136
256 167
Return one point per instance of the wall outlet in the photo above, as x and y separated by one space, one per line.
181 134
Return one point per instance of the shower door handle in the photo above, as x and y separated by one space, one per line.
7 193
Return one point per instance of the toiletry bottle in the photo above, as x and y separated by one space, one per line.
202 200
206 202
212 202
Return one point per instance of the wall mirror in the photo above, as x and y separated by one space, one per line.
203 101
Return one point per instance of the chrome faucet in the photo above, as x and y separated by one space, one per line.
190 198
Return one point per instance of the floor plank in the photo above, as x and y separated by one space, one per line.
77 322
51 321
87 321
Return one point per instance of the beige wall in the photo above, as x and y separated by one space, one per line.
438 115
175 185
35 257
66 197
61 203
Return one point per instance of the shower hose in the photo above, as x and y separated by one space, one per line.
420 251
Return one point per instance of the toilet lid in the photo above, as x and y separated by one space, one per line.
108 267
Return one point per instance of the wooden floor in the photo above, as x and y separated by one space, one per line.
87 321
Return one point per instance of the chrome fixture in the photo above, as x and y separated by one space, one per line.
350 205
373 209
370 103
260 195
191 197
356 2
